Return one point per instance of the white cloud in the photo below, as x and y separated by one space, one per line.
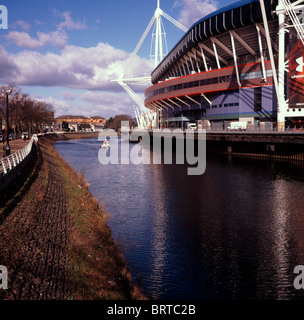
23 39
75 67
193 10
58 38
8 67
61 107
21 24
107 104
70 24
91 103
69 95
72 67
90 69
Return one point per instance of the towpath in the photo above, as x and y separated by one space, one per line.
34 239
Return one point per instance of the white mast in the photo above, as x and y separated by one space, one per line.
285 8
160 39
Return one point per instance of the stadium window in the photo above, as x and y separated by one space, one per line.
226 105
255 75
269 73
251 75
220 105
194 84
244 76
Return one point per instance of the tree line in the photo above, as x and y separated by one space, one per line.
115 123
24 112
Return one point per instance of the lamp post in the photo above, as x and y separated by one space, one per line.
7 147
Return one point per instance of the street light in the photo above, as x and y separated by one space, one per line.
7 147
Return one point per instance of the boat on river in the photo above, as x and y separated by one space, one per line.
105 145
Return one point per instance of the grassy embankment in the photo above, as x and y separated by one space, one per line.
96 267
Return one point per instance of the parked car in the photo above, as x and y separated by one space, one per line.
192 126
237 125
24 135
11 136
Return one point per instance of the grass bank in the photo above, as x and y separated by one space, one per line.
56 243
78 135
97 269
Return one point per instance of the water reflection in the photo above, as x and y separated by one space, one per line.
234 232
281 197
159 225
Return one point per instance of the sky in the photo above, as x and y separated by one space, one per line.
67 52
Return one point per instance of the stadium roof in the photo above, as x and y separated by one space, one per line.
235 16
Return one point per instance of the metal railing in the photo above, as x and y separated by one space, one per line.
268 128
256 129
9 163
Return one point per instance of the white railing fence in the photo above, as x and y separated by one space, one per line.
9 163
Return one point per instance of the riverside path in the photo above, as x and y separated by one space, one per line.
34 238
15 145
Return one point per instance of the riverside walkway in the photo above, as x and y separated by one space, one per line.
15 145
34 236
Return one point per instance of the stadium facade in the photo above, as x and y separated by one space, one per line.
225 69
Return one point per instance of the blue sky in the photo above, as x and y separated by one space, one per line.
66 52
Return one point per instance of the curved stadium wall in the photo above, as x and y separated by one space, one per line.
220 70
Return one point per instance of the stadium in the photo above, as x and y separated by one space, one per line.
232 65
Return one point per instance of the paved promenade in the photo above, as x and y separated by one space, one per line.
15 146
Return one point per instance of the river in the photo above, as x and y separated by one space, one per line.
235 232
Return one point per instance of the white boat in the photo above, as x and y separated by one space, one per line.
105 145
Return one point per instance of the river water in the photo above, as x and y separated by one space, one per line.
235 232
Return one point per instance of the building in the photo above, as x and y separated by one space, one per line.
223 70
80 123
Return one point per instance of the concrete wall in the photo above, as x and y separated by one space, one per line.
9 177
247 102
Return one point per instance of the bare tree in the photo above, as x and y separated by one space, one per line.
116 122
25 113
